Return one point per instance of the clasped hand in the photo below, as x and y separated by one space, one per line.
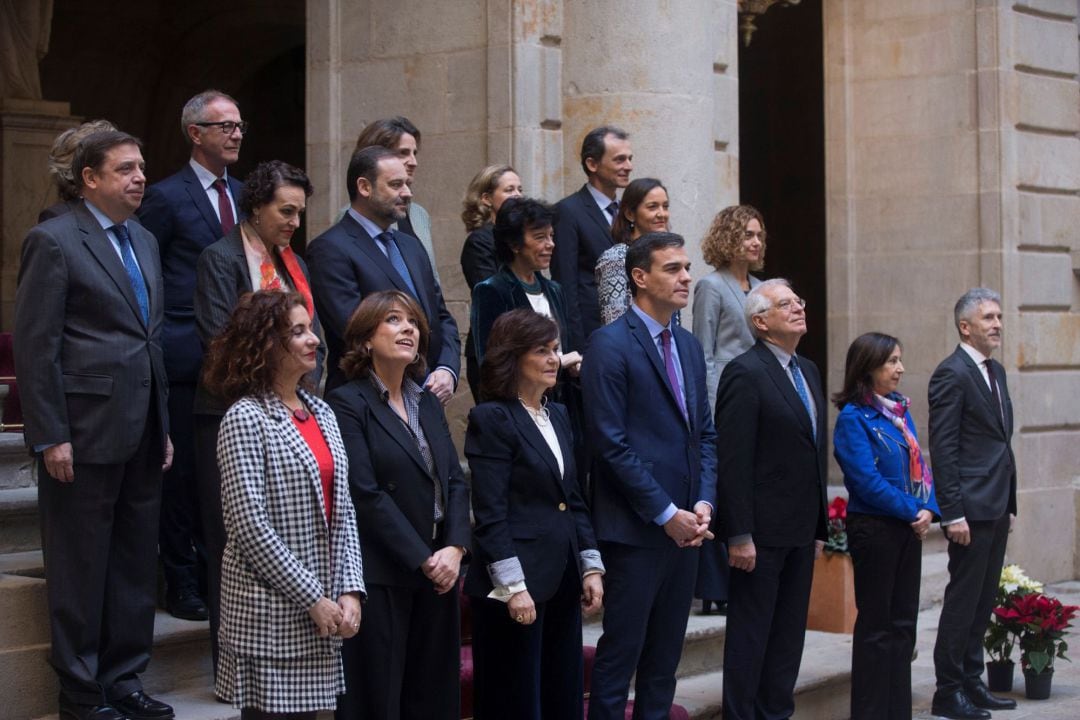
341 618
690 529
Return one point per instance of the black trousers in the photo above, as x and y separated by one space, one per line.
180 532
766 628
99 536
974 572
213 521
405 661
888 569
530 672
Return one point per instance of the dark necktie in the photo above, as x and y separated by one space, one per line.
669 365
224 207
994 389
394 255
800 387
613 210
138 284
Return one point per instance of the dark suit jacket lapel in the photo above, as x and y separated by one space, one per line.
198 196
648 346
782 381
412 263
236 249
593 211
532 436
432 425
100 246
369 247
689 391
984 387
391 423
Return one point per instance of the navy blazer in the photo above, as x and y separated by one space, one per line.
346 265
974 467
771 467
876 461
523 507
647 454
178 213
582 234
391 487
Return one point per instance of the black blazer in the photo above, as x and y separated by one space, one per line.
346 265
503 292
582 233
523 508
178 213
393 493
974 467
770 468
221 278
478 261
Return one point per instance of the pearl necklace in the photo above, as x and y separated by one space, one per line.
541 417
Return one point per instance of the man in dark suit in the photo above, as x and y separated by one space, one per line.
971 422
187 212
362 254
654 480
583 230
88 314
771 416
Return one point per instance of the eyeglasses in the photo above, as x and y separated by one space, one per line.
789 304
227 126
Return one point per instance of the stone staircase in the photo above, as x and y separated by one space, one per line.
180 670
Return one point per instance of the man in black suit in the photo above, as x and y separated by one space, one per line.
187 212
583 230
654 483
361 254
88 314
771 425
971 422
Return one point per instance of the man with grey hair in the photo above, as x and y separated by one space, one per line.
971 423
186 212
770 427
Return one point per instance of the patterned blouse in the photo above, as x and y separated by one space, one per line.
611 283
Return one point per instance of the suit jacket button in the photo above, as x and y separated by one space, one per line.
562 507
146 382
391 486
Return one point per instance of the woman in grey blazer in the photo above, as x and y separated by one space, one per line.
734 245
291 576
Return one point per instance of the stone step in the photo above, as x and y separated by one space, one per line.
16 465
19 527
703 648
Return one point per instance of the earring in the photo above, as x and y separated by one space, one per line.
255 220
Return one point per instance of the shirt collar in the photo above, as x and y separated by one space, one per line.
101 217
410 389
206 178
782 355
600 198
974 354
651 325
369 227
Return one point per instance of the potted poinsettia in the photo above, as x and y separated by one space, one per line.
1003 634
837 527
832 595
1045 622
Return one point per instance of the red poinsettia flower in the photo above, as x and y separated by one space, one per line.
838 509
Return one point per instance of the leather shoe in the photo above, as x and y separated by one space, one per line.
957 706
71 711
140 706
187 605
981 697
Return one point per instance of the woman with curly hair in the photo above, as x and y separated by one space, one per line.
292 577
254 255
734 245
413 506
491 187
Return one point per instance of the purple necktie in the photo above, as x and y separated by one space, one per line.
669 365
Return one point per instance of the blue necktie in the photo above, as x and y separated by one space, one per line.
800 387
394 255
138 284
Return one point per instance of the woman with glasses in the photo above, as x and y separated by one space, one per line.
734 245
891 504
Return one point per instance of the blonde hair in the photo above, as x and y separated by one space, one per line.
725 236
63 152
475 213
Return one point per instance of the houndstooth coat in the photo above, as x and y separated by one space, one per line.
281 555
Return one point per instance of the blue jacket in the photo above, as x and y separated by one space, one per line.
874 457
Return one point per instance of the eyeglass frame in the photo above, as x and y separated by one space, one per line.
787 305
242 125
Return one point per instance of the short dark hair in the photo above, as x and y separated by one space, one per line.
356 361
594 145
513 334
195 109
387 133
866 354
92 149
515 217
639 253
266 178
634 194
364 163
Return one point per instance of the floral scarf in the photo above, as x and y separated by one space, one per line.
921 479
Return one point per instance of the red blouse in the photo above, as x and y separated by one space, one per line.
309 430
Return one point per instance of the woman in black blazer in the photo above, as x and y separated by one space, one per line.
534 552
412 507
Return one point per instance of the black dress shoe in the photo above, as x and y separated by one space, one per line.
71 711
981 697
187 605
957 706
140 706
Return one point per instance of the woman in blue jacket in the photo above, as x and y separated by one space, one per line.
890 507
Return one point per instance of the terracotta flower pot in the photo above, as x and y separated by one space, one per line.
1037 686
832 596
999 675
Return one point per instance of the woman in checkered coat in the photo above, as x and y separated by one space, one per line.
291 575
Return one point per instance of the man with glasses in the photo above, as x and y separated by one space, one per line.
771 423
187 212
